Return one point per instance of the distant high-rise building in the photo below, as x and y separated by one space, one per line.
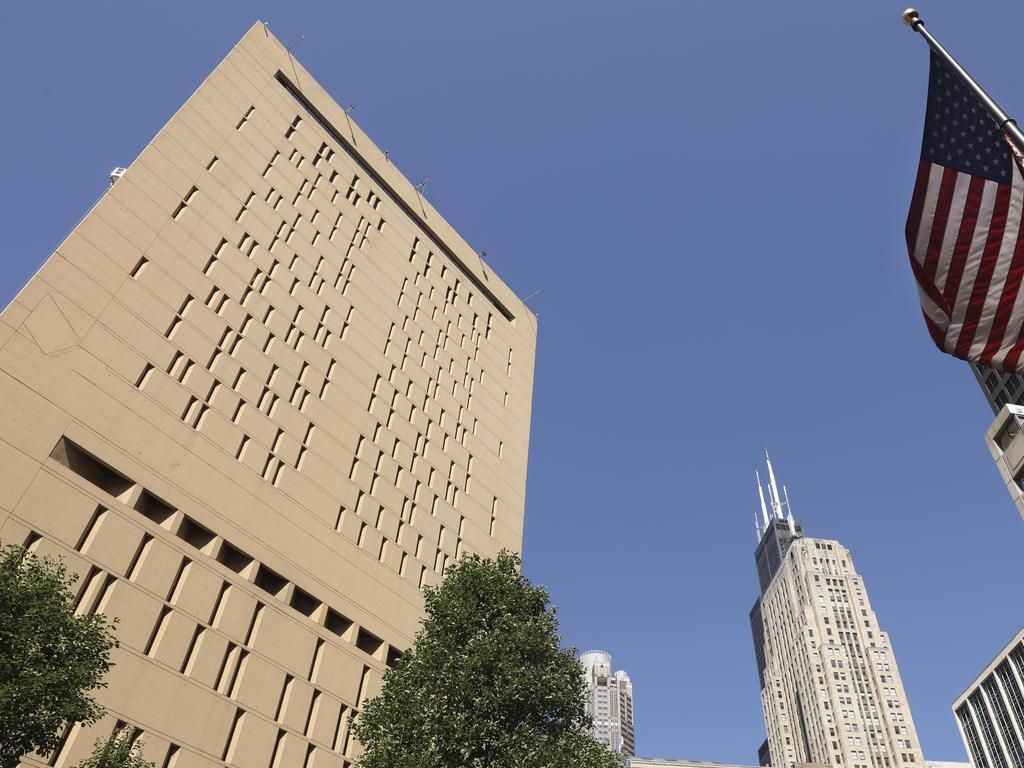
609 703
657 762
259 397
999 388
990 713
830 687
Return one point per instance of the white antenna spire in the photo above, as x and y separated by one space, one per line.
760 493
773 488
757 529
789 510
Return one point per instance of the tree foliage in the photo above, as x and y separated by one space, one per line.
486 684
117 751
50 659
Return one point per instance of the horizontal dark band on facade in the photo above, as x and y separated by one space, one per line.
250 570
313 112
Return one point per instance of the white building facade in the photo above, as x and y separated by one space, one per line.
830 687
990 713
609 701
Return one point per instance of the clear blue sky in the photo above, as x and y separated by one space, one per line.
711 197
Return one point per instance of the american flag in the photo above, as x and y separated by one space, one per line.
964 230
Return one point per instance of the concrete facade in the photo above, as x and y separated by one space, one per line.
990 713
259 397
609 702
830 687
1006 445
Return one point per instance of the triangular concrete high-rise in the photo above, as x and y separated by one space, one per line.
259 397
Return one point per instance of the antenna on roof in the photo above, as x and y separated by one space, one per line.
757 529
760 493
423 182
773 488
789 510
301 38
349 108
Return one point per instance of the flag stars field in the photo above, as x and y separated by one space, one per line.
964 230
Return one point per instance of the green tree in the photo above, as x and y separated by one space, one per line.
50 659
117 751
486 684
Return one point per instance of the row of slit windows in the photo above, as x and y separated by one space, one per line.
191 532
260 280
374 199
98 584
272 470
324 154
341 743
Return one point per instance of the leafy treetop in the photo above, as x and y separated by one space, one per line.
119 750
50 659
486 684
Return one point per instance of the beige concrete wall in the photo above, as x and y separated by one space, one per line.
1006 445
259 397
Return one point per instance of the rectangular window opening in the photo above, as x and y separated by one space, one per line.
393 656
270 581
195 534
234 559
88 467
157 510
304 603
336 623
368 643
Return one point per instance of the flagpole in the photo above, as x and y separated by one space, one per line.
1005 123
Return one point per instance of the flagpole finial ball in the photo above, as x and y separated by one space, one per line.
910 16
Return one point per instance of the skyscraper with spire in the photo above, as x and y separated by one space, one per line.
830 688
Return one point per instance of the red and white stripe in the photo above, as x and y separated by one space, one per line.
967 252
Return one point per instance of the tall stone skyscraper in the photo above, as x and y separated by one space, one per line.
830 687
609 703
260 396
